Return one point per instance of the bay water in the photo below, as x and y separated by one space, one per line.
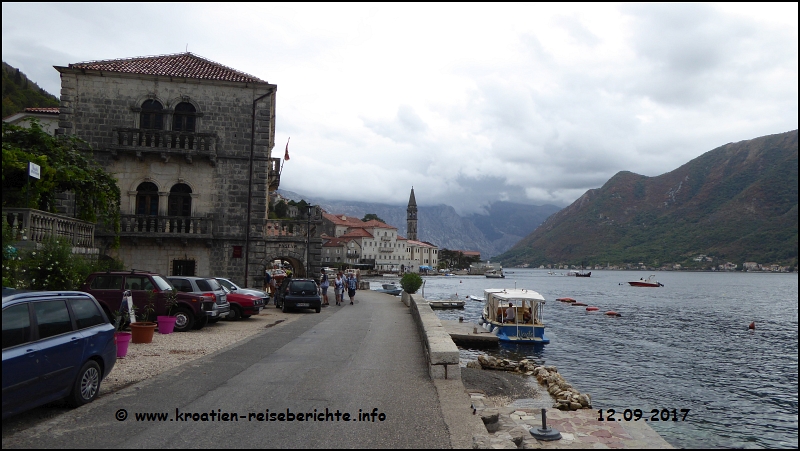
685 345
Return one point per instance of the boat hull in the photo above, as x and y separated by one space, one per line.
512 333
645 284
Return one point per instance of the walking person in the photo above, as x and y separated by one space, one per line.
323 288
338 288
352 285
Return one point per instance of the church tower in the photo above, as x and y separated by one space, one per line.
411 217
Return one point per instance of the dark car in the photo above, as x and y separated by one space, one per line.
56 345
107 287
207 286
298 293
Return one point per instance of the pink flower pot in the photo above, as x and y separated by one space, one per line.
166 324
122 339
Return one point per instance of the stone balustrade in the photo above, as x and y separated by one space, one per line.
287 228
166 143
165 226
36 226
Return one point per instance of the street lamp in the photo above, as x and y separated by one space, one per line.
310 209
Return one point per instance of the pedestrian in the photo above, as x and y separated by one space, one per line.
352 284
323 288
267 283
338 288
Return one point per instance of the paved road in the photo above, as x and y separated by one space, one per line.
365 357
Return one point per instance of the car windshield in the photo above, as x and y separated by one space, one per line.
162 283
304 285
225 283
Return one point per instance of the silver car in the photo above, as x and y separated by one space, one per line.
207 286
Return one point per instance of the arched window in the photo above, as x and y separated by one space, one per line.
183 121
180 204
146 206
151 118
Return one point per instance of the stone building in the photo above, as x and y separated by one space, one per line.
190 142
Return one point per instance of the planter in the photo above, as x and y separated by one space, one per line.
166 324
122 339
142 332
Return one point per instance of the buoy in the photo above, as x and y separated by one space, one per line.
591 309
581 304
611 313
752 326
565 299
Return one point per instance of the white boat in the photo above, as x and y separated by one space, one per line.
476 298
649 282
495 274
390 288
527 326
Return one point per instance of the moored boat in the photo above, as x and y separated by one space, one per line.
495 274
390 288
526 326
649 282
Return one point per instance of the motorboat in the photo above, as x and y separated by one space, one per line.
495 274
583 274
476 298
649 282
527 325
390 288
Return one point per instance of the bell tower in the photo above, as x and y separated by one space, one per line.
411 217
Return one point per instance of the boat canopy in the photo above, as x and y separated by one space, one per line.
524 301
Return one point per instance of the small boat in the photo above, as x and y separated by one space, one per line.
476 298
453 302
649 282
583 274
495 274
527 325
390 288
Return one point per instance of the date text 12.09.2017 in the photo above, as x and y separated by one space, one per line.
637 414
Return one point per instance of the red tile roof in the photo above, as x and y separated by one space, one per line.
186 65
357 233
350 221
46 110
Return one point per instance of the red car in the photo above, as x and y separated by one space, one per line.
243 305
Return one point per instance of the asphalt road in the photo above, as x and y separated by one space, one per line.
363 358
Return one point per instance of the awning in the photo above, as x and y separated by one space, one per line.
425 268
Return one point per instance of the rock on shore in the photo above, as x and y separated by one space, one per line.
566 396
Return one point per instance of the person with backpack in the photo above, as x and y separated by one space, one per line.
323 288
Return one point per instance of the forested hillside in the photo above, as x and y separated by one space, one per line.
20 93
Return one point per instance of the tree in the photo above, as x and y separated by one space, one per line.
66 165
411 282
371 216
281 209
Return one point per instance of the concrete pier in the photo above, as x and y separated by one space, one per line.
470 335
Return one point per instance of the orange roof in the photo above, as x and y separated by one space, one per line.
185 65
351 221
357 233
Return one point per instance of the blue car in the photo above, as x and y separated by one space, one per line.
56 345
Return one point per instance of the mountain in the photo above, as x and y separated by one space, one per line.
735 203
506 223
20 93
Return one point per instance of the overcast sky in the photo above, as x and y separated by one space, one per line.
468 103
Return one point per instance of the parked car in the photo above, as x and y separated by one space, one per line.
243 305
107 287
233 288
56 345
298 293
206 286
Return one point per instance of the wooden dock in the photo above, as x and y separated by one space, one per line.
470 335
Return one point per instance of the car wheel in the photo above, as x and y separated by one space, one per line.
319 308
86 386
184 320
284 307
201 323
213 320
236 313
246 316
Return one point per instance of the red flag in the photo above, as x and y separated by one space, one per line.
286 155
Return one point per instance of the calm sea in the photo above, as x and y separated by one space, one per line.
683 346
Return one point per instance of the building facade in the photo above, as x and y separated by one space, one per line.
190 142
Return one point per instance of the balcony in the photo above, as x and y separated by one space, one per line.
386 238
36 226
353 254
386 249
160 227
165 143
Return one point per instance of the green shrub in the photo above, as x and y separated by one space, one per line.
410 282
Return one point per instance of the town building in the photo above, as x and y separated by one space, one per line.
190 142
47 117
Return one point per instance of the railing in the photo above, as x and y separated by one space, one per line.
386 238
353 254
163 226
36 226
287 227
386 249
165 142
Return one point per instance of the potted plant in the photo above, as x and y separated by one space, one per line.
121 338
166 323
142 331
